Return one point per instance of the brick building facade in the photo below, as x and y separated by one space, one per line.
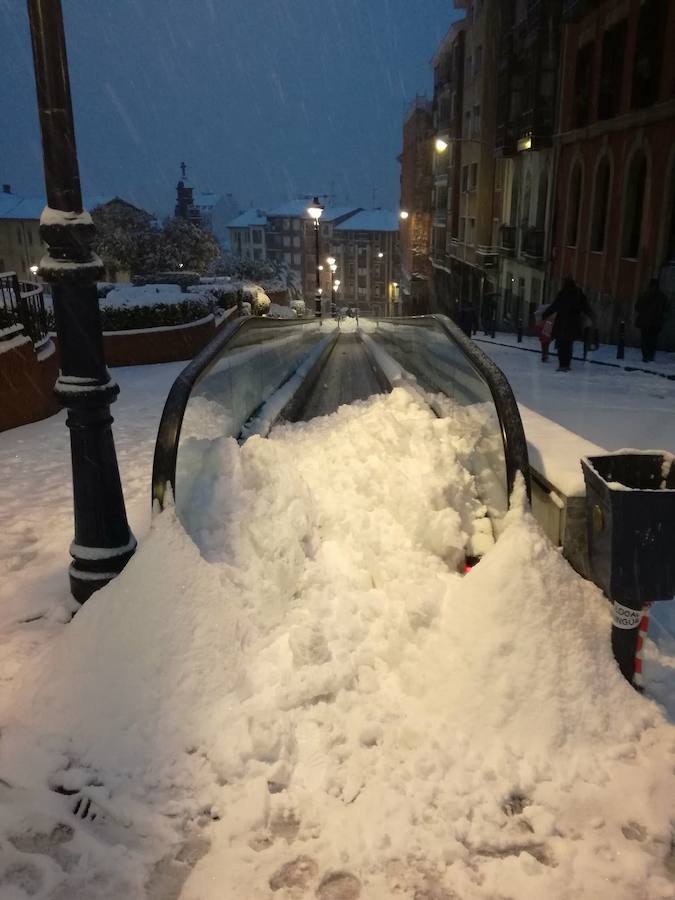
615 204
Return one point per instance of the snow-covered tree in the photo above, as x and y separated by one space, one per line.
129 238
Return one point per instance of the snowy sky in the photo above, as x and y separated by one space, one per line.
267 99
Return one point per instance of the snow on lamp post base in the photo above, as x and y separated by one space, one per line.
103 542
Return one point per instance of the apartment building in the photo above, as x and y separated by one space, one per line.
366 249
416 200
464 254
290 238
615 191
527 59
247 234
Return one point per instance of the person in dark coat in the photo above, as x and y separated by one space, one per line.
650 313
570 308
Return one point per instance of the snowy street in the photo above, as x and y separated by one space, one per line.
303 697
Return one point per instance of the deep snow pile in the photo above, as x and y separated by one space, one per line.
318 704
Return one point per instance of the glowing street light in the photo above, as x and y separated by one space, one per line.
380 255
33 270
404 214
441 145
330 260
314 212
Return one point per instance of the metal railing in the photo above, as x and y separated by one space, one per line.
22 304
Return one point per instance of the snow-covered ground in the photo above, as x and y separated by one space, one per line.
611 407
304 698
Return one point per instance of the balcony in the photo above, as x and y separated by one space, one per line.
489 256
533 244
506 142
508 240
22 306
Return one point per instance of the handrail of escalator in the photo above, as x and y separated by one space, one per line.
510 423
168 435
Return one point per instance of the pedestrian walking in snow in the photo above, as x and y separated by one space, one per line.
570 309
650 311
543 328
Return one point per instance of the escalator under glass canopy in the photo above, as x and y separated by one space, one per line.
258 372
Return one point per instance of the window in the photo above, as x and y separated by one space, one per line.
582 85
462 228
648 53
472 231
296 240
286 224
465 178
600 205
499 174
611 70
287 258
287 241
467 123
473 177
476 120
527 201
296 224
257 236
325 230
297 259
573 205
634 206
257 253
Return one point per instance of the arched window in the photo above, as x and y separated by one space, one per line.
573 205
600 205
634 208
542 197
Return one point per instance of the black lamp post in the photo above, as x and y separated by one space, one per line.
103 543
314 212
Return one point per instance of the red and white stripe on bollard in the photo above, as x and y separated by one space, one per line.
642 634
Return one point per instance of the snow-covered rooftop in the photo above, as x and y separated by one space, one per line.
298 208
251 217
371 220
15 206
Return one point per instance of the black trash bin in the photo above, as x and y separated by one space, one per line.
630 516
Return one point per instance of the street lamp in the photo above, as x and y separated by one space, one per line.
103 543
380 255
404 214
441 145
332 265
33 270
314 212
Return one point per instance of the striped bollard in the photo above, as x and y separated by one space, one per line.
638 681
